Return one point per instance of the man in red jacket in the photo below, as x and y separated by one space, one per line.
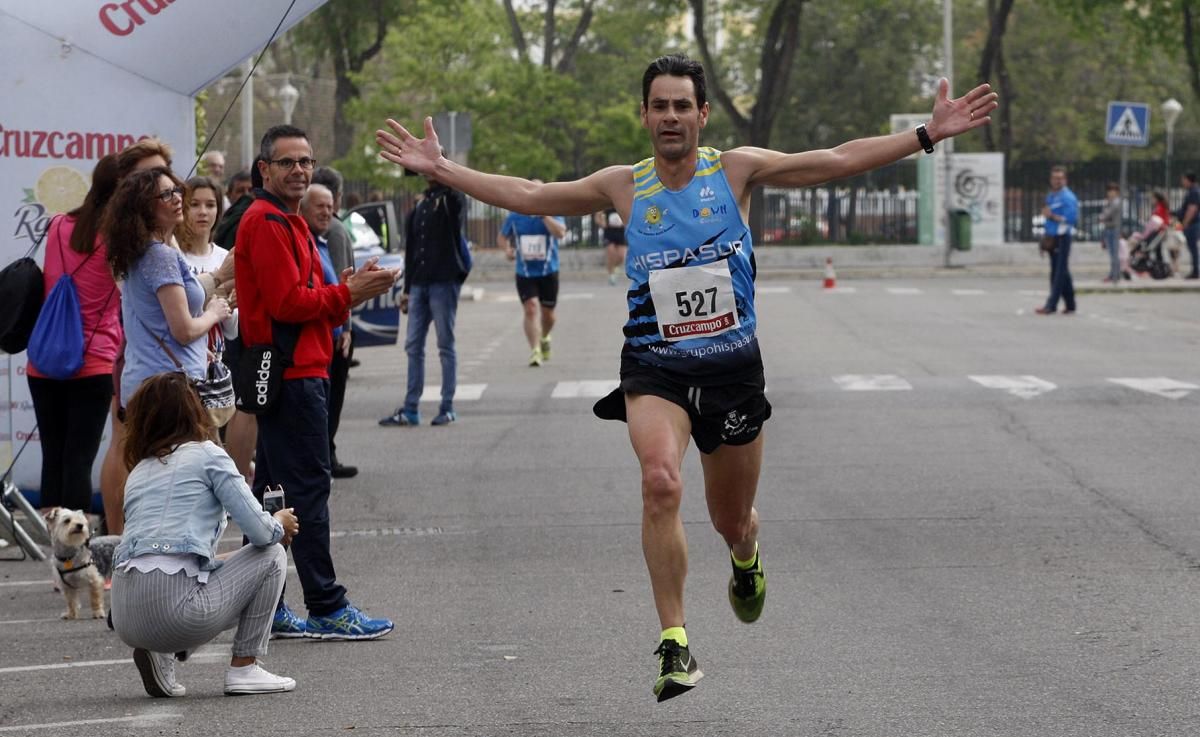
282 293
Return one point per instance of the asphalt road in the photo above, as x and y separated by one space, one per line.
976 521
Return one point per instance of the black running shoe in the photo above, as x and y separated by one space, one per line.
678 671
748 590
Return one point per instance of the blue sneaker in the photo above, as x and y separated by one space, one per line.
287 624
444 418
401 418
347 623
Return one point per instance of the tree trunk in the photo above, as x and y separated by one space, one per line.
775 67
1189 46
518 36
343 130
993 57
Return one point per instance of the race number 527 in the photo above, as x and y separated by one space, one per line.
694 301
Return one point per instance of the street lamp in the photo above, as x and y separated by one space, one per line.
1170 110
288 97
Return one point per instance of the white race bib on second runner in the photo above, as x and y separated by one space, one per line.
533 247
694 301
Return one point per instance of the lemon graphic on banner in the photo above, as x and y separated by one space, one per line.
60 189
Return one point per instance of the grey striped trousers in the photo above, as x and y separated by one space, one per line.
167 613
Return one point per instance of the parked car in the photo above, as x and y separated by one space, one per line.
375 231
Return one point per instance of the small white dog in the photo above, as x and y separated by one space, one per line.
81 561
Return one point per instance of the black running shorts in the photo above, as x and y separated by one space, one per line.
724 414
544 288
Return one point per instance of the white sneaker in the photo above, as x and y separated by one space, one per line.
252 679
158 673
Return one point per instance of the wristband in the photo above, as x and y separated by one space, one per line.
923 137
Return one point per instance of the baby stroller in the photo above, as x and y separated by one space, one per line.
1146 250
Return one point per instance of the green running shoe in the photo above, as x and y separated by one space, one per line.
544 346
748 590
678 670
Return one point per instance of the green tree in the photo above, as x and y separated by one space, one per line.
350 33
551 115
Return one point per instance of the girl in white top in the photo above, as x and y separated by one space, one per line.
202 209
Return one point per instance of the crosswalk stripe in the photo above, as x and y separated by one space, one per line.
1159 385
576 389
872 383
463 393
1025 387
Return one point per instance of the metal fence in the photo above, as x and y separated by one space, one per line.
881 206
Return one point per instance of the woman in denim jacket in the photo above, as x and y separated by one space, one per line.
171 592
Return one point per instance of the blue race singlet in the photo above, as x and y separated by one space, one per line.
691 267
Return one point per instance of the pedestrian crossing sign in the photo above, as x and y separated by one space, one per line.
1127 124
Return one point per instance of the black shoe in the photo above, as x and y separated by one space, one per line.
353 363
341 471
678 671
1192 276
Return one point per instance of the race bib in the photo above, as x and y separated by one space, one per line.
694 301
533 247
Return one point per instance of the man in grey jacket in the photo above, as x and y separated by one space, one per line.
341 253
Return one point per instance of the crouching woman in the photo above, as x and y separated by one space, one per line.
171 593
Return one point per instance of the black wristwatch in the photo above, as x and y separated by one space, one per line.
923 137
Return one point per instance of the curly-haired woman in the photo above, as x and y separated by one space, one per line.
166 323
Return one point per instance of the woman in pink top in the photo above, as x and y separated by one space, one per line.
71 412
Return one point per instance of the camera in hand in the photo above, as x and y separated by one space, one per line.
273 499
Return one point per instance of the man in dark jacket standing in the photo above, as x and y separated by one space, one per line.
285 302
434 272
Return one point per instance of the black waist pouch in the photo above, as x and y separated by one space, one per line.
258 380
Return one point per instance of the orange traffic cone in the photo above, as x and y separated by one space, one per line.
830 276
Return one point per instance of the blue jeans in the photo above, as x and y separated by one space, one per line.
436 303
1109 238
1061 285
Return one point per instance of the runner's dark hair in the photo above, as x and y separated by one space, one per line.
675 65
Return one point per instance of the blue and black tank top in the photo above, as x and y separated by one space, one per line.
691 267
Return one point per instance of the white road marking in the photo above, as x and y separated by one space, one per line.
903 290
841 290
967 292
464 393
1024 387
30 621
576 389
95 663
1032 292
152 717
1159 385
872 383
576 295
773 290
42 582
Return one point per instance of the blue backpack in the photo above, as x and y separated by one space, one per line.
56 346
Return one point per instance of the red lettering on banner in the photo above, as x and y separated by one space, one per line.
697 327
123 18
107 21
89 146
